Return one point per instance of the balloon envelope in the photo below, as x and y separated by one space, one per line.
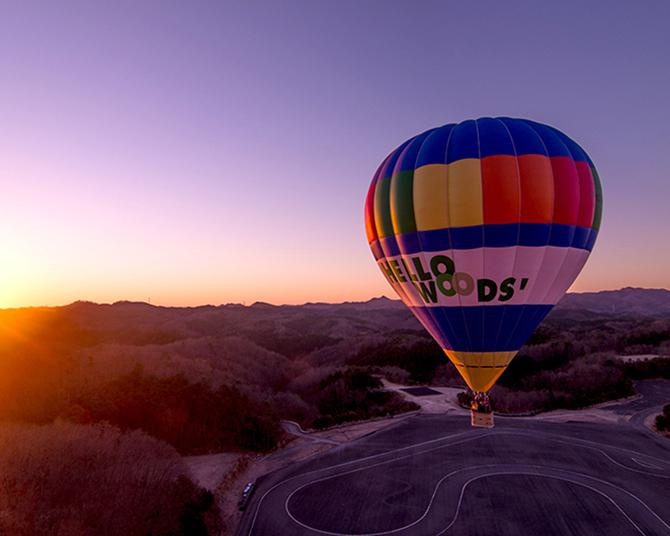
480 227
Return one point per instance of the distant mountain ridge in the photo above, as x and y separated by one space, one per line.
626 301
629 300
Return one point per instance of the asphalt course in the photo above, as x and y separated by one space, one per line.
433 474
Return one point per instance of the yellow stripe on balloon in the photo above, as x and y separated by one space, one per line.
448 195
480 370
430 197
465 193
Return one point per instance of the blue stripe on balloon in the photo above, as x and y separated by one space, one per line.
387 169
390 247
553 143
581 237
376 250
407 159
561 235
534 234
497 236
467 237
489 136
439 332
501 234
409 242
494 328
592 239
434 147
463 142
578 154
451 326
437 240
526 139
494 138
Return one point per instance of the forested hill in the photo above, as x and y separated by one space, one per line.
137 322
216 377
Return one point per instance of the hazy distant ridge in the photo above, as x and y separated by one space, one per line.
638 301
629 300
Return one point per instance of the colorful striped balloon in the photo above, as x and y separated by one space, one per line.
481 227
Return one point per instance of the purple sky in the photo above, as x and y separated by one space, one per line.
197 152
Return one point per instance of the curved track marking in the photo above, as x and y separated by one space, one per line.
512 471
473 435
579 439
366 458
576 441
460 498
646 464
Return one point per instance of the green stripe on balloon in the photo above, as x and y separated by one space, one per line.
383 208
597 214
402 202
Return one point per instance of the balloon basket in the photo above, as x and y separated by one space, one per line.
480 419
481 414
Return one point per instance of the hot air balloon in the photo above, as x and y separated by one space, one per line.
480 227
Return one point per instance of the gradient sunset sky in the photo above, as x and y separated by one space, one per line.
193 152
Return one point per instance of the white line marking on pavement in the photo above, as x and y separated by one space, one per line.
460 498
512 471
473 435
647 464
476 434
365 467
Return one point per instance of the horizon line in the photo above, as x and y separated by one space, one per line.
243 304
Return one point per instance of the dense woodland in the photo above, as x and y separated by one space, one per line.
218 378
170 381
63 479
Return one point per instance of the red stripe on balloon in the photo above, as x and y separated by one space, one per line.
587 195
537 188
500 189
566 190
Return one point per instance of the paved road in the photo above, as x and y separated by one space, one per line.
655 394
434 474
